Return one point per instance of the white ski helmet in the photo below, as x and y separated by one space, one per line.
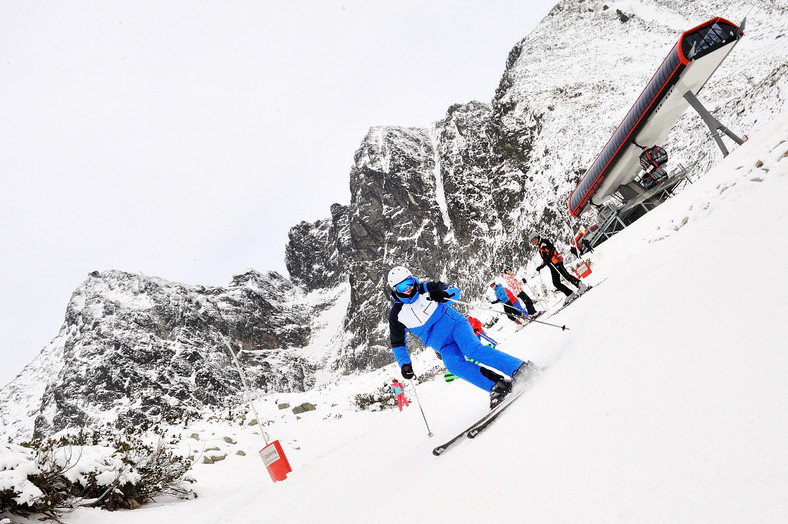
397 275
532 235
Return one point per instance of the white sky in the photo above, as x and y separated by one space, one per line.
183 139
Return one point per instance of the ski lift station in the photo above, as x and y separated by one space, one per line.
615 183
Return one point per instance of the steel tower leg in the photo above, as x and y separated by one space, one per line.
714 125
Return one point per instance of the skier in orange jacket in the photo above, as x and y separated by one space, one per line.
555 262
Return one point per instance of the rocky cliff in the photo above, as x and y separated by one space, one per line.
136 350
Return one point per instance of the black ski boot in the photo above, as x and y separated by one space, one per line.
499 392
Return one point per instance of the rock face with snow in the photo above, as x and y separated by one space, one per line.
453 202
317 252
136 349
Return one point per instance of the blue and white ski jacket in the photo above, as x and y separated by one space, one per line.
500 294
431 321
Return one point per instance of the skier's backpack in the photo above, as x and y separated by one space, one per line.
653 158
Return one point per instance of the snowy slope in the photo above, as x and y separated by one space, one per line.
664 402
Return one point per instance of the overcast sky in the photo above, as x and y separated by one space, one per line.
182 139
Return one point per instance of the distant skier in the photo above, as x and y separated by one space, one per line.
516 286
581 245
420 307
555 262
478 330
399 391
476 325
586 245
511 306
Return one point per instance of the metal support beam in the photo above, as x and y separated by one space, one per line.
713 124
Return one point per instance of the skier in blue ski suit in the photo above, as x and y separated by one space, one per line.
420 307
511 306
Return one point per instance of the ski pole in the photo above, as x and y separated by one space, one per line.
545 287
488 338
580 285
561 275
528 319
415 394
533 294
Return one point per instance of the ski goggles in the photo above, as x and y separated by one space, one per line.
406 285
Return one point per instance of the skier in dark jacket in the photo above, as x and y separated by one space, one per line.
555 262
420 307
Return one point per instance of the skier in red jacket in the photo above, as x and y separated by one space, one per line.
476 324
478 330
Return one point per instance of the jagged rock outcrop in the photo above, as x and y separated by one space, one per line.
316 253
134 350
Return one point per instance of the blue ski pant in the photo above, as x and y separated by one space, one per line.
513 311
464 343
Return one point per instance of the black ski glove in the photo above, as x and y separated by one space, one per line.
439 295
539 268
524 281
407 371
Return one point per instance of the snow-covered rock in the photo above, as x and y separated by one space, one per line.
135 350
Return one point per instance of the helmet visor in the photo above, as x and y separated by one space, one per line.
406 286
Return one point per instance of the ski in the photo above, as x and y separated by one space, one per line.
488 417
529 318
589 288
443 447
569 304
485 423
480 425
